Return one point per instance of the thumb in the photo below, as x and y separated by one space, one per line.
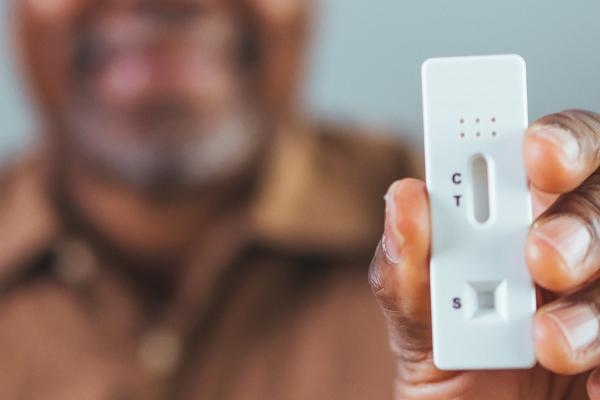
399 278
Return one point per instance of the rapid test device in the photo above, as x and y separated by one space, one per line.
482 296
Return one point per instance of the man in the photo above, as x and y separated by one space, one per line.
184 235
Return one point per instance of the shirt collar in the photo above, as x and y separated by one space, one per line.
308 200
306 203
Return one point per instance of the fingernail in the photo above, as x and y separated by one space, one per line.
578 323
568 235
563 138
392 240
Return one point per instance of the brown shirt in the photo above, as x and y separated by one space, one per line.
281 312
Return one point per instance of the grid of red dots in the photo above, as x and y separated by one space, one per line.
478 133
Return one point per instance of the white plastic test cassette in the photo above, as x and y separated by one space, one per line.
483 299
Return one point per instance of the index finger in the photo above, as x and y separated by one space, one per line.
562 150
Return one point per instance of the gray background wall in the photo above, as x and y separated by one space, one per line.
367 56
16 118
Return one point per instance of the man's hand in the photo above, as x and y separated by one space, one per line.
562 156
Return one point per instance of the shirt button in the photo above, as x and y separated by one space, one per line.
160 351
76 262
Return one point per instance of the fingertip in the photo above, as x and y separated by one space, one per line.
551 349
560 252
546 265
410 200
552 166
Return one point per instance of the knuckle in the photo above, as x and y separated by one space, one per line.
589 294
379 281
374 275
410 338
382 290
582 203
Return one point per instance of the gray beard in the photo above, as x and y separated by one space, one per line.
159 161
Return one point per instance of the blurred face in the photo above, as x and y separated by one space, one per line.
155 92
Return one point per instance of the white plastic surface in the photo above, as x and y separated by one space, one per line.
483 299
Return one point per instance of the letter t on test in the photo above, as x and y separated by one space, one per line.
482 297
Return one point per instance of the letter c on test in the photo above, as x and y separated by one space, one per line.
457 178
